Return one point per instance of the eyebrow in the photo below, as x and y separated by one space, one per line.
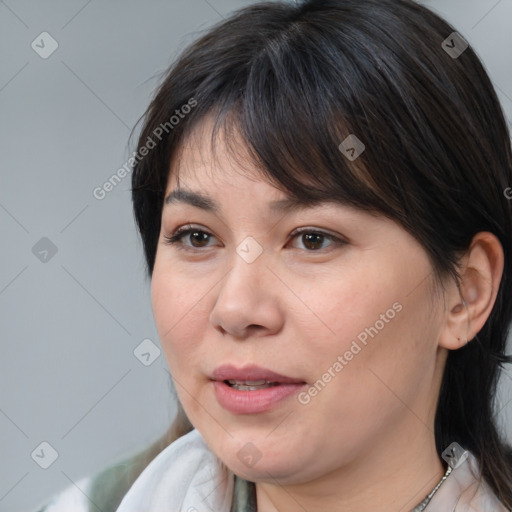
207 203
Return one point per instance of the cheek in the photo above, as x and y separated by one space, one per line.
371 333
180 315
342 306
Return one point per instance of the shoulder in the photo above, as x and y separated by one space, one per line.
479 497
465 491
476 495
105 489
74 498
185 476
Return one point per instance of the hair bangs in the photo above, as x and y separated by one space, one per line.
275 122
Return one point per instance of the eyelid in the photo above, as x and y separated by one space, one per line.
320 231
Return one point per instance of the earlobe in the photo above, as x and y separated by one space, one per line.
469 304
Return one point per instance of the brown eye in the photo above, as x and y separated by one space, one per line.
314 241
197 238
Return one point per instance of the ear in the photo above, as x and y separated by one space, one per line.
469 304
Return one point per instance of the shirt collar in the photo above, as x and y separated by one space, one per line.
188 476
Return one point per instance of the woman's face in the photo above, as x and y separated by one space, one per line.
342 310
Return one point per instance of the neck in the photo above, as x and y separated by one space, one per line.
392 476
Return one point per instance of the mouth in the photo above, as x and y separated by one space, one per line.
252 389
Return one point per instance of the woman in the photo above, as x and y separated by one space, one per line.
321 194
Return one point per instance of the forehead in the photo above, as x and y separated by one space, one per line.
206 161
202 150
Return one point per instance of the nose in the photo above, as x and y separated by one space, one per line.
248 302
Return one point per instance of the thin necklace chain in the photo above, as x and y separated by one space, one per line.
423 505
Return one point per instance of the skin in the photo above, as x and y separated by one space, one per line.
366 441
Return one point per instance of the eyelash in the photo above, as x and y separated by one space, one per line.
176 238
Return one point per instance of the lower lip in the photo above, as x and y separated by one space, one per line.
252 402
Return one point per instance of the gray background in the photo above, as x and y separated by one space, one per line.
70 324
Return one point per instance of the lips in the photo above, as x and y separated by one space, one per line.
252 389
251 373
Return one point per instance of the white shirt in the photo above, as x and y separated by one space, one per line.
187 477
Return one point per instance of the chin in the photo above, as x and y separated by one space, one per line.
250 463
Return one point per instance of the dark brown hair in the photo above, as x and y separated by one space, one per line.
295 80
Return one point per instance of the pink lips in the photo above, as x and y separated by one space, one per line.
230 372
254 401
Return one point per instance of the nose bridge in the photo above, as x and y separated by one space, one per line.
245 298
249 264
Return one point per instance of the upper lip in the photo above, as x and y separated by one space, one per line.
251 373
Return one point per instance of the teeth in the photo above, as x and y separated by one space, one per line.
241 387
249 382
251 385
